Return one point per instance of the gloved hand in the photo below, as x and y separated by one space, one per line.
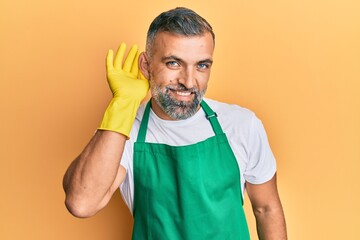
129 88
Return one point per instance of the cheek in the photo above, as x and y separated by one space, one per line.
202 80
164 76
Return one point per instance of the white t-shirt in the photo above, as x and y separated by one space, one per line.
245 132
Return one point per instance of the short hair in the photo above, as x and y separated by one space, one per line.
180 20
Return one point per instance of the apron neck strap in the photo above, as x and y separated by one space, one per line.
210 115
144 123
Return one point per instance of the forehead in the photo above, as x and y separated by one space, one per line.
194 47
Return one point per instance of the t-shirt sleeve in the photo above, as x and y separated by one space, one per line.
261 165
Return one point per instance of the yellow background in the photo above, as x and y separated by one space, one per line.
295 63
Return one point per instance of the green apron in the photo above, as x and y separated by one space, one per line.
188 192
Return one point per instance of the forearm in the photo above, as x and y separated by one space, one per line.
90 176
271 224
266 204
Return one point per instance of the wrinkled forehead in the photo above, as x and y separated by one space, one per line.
167 44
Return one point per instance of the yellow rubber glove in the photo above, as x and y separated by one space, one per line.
129 88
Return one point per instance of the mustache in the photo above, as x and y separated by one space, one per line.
181 87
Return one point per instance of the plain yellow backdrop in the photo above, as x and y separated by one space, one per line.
295 63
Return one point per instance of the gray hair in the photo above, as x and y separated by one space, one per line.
182 21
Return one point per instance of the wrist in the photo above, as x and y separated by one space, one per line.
120 115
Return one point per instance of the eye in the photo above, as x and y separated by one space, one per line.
203 66
172 64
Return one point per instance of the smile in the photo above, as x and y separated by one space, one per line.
185 94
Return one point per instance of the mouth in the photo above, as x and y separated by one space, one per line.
183 93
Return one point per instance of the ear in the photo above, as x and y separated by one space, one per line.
144 65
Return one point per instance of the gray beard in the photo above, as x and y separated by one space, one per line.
177 110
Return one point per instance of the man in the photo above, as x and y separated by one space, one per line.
181 162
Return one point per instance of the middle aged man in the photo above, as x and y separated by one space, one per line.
182 162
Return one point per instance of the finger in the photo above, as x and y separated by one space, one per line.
109 60
130 58
135 65
119 56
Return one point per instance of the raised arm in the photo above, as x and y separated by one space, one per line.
270 220
96 173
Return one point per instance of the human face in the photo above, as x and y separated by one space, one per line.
179 71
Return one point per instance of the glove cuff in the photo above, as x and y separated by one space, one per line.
120 116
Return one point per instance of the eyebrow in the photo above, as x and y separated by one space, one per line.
172 57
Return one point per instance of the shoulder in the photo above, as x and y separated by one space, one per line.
232 109
231 113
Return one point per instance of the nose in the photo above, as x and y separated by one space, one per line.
188 78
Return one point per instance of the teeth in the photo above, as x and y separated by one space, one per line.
183 93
